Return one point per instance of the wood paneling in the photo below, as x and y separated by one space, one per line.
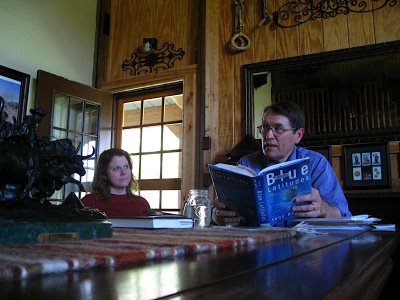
361 29
310 39
287 44
169 21
265 38
335 33
386 23
226 76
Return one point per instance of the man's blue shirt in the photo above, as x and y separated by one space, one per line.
323 177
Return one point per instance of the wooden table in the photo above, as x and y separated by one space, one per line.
341 265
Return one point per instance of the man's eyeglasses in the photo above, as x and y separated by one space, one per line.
277 130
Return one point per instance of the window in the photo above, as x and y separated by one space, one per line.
76 120
79 112
151 130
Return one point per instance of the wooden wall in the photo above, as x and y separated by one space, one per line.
130 21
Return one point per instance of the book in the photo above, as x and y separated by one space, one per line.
157 221
266 198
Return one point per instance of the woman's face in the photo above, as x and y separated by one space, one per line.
118 173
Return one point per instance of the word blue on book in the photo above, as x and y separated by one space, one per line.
266 198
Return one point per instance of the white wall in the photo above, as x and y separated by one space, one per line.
57 36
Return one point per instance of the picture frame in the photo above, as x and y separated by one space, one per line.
14 89
367 166
324 150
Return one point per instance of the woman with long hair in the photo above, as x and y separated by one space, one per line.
114 186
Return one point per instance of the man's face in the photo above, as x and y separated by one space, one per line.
278 139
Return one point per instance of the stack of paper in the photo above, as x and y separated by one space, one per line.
358 222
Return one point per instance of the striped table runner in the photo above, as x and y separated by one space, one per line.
125 247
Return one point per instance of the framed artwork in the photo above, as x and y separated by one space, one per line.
367 166
14 88
324 150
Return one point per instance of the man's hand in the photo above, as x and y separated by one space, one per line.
317 208
222 216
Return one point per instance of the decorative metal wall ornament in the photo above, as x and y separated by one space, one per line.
295 13
148 58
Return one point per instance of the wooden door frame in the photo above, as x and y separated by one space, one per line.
193 158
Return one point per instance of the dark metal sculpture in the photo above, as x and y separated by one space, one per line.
32 168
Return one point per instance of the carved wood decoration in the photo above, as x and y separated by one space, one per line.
294 13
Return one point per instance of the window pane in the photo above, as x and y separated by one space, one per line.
60 111
70 188
76 140
91 114
150 168
153 197
131 115
173 108
58 195
172 165
58 134
89 145
170 199
172 139
151 140
76 115
152 111
131 140
87 149
135 165
87 179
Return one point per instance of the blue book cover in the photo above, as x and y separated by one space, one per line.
266 198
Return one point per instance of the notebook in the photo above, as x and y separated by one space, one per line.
162 221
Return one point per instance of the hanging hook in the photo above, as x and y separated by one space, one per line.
239 41
266 17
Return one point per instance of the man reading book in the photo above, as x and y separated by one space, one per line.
282 129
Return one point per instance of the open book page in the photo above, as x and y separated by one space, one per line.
239 169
